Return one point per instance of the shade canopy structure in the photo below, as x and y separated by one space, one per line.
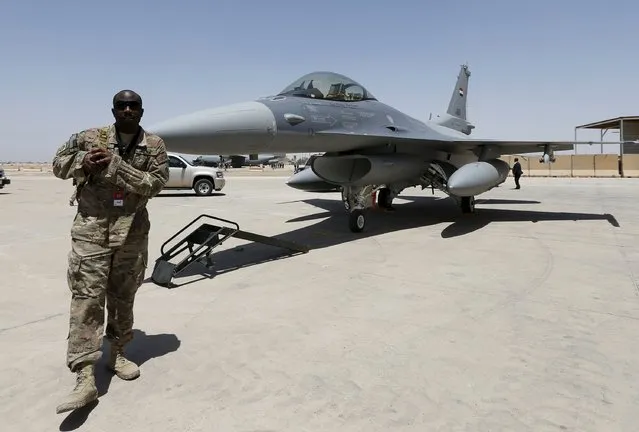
628 127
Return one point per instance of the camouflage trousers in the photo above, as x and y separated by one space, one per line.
99 275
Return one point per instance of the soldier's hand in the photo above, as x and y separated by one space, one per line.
103 159
90 160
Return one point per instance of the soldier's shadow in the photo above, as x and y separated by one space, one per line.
142 348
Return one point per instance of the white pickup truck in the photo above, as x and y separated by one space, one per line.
202 179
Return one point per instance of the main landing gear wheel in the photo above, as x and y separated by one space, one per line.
356 221
384 199
468 204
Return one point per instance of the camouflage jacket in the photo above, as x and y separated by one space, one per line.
112 202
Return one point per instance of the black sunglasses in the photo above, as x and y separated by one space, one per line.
134 105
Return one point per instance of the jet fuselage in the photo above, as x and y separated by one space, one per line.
296 124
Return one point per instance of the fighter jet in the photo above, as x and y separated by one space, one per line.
237 161
368 146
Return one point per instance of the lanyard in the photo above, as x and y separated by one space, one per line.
132 144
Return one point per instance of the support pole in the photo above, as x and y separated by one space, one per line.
621 140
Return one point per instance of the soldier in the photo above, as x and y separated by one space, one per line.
517 172
120 167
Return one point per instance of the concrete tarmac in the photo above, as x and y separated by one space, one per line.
522 317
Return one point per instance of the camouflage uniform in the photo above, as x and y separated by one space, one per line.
109 236
74 196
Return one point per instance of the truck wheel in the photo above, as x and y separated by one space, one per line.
203 187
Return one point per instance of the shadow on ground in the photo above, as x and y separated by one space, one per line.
332 228
142 348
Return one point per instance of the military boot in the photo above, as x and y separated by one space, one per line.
83 393
123 368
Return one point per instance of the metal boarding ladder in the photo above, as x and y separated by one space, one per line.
201 242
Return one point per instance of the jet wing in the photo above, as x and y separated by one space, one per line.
513 147
451 144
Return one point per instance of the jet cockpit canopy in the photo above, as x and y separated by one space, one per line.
329 86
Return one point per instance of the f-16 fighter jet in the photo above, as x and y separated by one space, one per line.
367 146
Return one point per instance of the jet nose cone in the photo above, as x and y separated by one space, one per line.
457 185
219 130
463 182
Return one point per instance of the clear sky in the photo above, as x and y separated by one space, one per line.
538 68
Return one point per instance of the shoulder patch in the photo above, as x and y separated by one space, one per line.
69 146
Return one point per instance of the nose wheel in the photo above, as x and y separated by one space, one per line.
357 200
357 220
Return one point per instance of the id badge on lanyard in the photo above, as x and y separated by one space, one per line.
118 195
118 198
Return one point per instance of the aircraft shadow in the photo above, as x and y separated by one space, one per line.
418 212
142 348
505 201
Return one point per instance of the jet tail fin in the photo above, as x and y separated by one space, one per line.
455 117
457 104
